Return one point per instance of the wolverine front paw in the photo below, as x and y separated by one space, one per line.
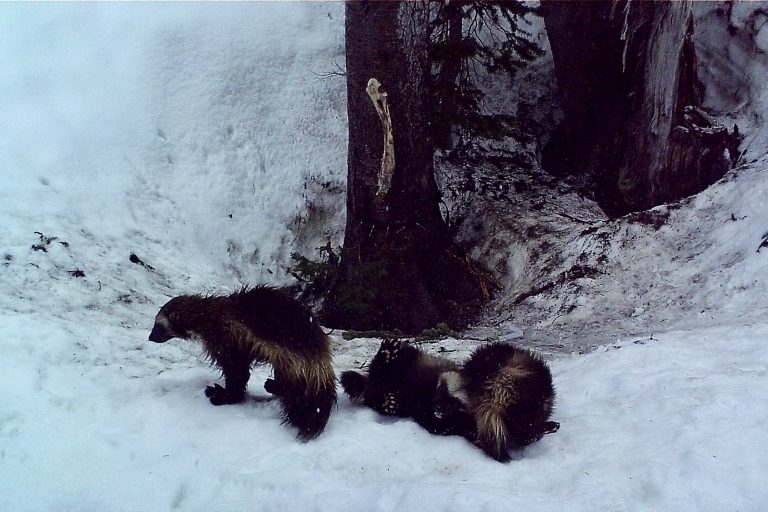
220 396
390 349
216 394
354 385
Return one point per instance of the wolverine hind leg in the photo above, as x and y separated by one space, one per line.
535 433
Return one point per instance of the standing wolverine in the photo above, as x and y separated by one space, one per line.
259 325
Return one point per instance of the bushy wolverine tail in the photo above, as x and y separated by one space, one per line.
307 392
515 397
491 414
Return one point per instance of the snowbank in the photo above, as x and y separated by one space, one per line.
204 132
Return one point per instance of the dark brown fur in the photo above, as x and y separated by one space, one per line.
500 400
259 325
401 381
510 394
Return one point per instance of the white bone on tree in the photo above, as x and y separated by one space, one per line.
379 98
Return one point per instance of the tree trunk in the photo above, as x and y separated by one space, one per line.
447 80
626 71
397 268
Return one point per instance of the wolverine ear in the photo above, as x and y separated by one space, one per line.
354 385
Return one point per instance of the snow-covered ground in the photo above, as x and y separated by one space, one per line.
184 134
94 418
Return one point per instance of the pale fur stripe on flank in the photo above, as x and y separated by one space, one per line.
500 392
317 373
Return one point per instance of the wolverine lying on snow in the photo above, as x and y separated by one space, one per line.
501 399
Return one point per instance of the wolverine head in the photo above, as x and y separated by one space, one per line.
168 322
450 396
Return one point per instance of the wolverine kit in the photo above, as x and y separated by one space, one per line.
500 399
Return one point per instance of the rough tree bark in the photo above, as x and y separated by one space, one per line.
398 268
626 71
447 82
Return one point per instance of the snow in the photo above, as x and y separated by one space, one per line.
730 45
198 123
140 128
97 419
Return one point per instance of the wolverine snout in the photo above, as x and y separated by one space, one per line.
160 334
